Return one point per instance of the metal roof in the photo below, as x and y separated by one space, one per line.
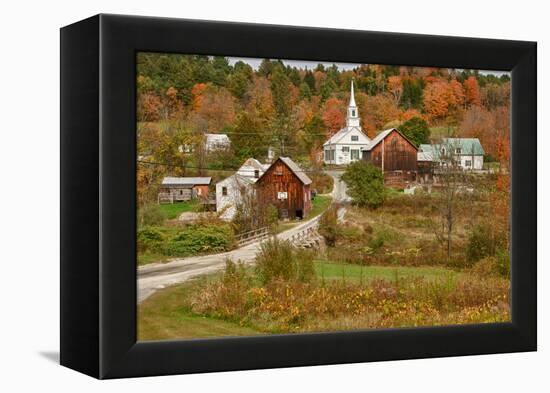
467 146
378 138
296 170
186 181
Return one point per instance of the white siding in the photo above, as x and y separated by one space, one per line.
227 203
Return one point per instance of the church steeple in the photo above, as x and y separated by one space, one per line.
352 119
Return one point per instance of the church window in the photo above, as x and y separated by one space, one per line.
354 138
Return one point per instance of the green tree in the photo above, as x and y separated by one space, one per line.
365 184
310 80
417 130
305 91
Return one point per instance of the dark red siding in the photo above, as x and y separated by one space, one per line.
399 153
279 179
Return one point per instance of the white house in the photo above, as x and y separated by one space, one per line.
345 146
467 153
230 191
214 142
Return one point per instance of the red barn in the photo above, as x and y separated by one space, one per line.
287 187
395 154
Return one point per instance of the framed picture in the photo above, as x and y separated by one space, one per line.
240 196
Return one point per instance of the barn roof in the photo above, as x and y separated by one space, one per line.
300 174
381 135
186 181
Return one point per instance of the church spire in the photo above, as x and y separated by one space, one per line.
352 97
352 119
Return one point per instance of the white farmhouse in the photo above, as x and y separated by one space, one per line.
214 142
345 146
467 153
230 191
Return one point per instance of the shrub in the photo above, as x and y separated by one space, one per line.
503 262
196 239
149 239
278 260
149 215
328 226
483 241
321 182
366 184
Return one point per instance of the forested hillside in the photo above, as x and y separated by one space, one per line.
292 110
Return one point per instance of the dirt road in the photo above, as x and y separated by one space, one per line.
156 276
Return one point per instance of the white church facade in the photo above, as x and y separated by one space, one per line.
345 146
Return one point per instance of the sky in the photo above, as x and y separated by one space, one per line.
255 63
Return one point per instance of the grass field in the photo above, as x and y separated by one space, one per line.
162 317
338 271
172 210
442 131
165 316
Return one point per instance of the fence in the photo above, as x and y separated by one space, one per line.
252 236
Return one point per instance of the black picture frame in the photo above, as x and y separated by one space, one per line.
98 207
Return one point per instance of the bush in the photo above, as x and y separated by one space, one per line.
365 183
196 239
483 241
322 183
480 243
278 260
149 215
503 262
149 239
328 226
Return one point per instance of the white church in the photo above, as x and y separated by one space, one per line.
345 146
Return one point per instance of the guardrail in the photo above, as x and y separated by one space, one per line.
252 236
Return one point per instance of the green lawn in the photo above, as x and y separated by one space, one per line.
318 206
442 131
172 210
334 271
162 317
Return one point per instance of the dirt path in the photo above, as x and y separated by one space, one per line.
156 276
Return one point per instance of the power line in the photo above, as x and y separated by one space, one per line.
226 169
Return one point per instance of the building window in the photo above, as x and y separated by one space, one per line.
468 163
355 138
181 192
458 150
345 149
353 112
256 173
355 154
224 191
329 155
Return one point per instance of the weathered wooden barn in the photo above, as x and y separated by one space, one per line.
178 189
286 186
395 154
